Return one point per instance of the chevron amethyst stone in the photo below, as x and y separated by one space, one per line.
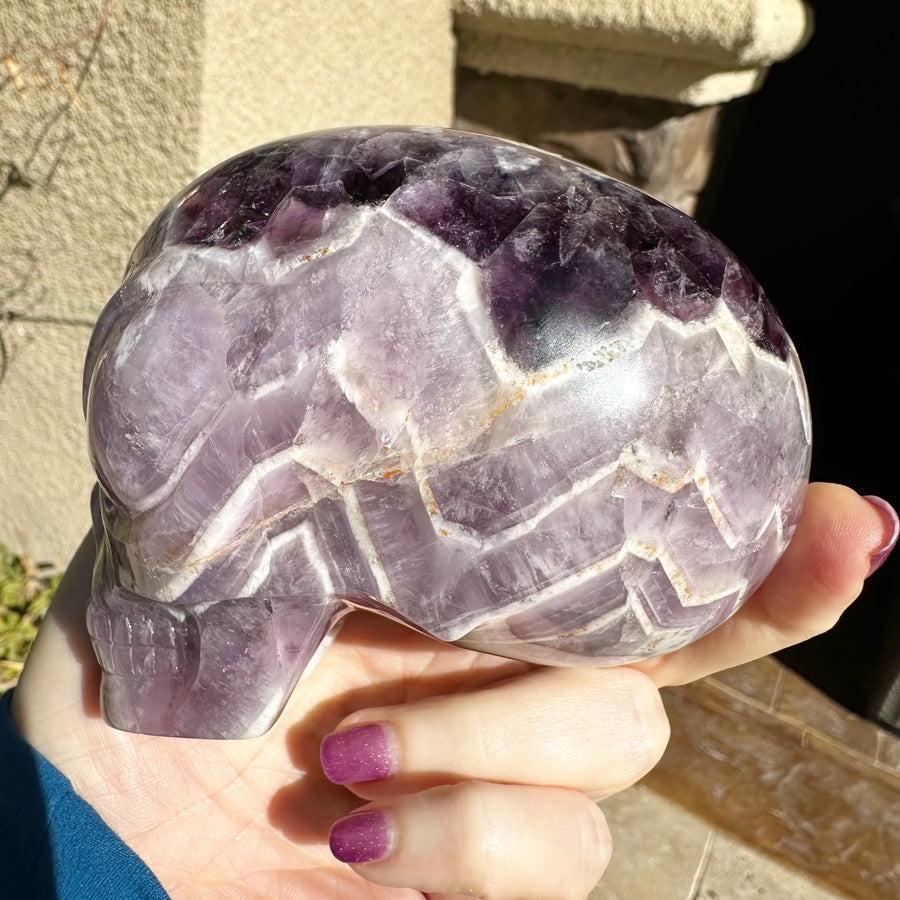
470 385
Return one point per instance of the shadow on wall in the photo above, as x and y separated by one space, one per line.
804 188
809 198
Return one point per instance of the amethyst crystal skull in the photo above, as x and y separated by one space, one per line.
495 395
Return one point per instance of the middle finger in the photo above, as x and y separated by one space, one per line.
594 730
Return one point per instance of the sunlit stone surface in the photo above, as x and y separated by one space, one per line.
482 389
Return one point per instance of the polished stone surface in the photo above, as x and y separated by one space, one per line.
481 389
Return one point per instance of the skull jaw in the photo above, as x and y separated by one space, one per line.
222 672
219 669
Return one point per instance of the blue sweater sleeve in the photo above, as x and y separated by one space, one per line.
53 844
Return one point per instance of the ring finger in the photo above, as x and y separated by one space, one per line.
469 839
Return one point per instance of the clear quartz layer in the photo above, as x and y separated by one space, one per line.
473 386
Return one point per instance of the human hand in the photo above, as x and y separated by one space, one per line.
494 765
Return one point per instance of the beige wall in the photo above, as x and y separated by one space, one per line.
106 109
349 63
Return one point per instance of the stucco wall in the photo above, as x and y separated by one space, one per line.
319 64
694 51
106 108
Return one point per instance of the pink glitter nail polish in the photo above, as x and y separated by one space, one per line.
889 514
362 837
364 753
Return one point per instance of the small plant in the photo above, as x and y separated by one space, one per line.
26 590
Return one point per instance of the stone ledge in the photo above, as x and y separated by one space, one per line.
697 53
759 753
663 148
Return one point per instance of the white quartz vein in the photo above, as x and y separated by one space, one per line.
631 548
168 487
306 535
630 332
802 399
469 298
640 613
629 460
646 467
223 529
445 528
360 532
687 596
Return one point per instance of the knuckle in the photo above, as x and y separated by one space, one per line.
655 724
561 851
474 853
640 724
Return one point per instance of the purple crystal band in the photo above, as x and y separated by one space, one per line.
468 384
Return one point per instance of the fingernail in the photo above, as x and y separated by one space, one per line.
362 837
364 753
892 521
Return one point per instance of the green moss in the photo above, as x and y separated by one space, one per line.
26 590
